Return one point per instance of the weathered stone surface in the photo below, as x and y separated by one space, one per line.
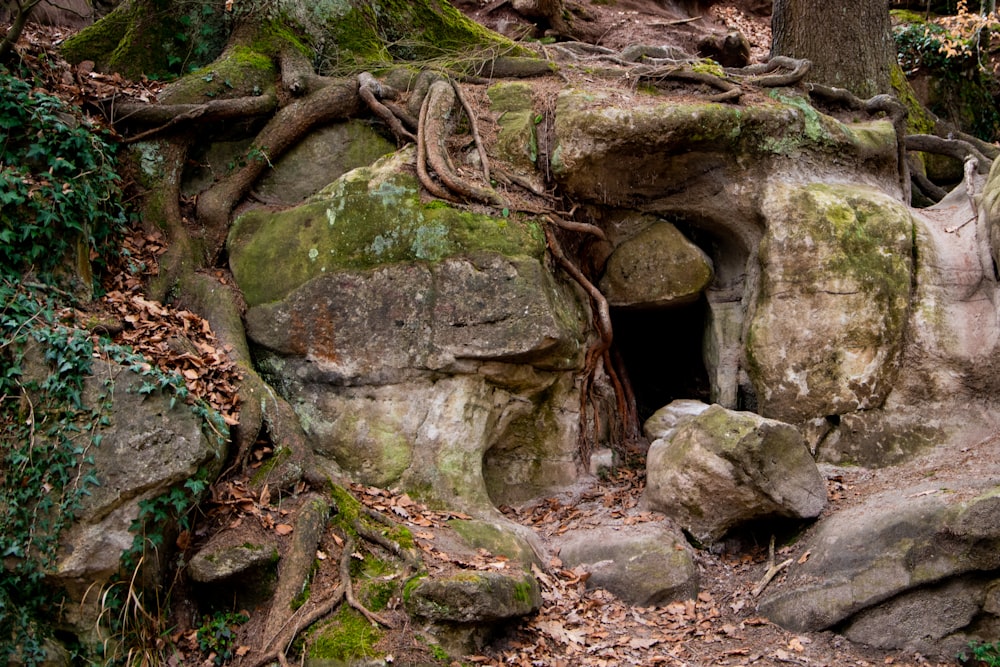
894 543
645 564
952 342
664 422
369 217
430 436
218 561
517 141
234 568
149 447
412 339
499 538
760 466
649 150
474 597
657 267
833 301
917 621
321 158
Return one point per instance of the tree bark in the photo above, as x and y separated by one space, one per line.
849 42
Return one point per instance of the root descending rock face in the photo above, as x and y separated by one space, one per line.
413 338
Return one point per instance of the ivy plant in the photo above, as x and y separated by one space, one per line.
58 184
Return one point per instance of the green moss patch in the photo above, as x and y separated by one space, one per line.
348 637
369 217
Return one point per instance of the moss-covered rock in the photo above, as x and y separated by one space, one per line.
657 267
496 538
368 217
760 466
634 152
650 564
834 296
474 597
517 142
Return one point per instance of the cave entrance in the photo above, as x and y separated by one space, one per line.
662 350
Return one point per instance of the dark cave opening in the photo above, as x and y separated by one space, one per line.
662 353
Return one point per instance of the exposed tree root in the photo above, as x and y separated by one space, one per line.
389 545
762 75
595 354
439 102
959 149
886 104
283 624
484 159
574 226
684 73
285 129
927 187
422 174
169 117
371 92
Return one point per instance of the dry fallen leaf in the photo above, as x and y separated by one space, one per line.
283 529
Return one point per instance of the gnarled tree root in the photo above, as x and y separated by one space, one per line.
763 74
887 104
433 136
372 92
285 129
956 148
684 73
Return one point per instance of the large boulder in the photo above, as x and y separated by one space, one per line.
646 565
949 363
151 445
416 340
872 565
760 466
835 280
655 268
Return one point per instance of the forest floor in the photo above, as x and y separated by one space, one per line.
579 626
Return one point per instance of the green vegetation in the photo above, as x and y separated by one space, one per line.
949 51
59 193
217 637
983 654
60 213
350 636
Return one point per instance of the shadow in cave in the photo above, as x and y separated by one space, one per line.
662 353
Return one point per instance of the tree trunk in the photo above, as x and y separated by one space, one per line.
849 42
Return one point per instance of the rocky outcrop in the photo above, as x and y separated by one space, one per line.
657 267
760 466
150 446
827 327
872 566
415 340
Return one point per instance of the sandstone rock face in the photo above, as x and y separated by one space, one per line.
646 564
872 565
517 142
760 466
657 267
150 447
416 340
833 300
951 347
